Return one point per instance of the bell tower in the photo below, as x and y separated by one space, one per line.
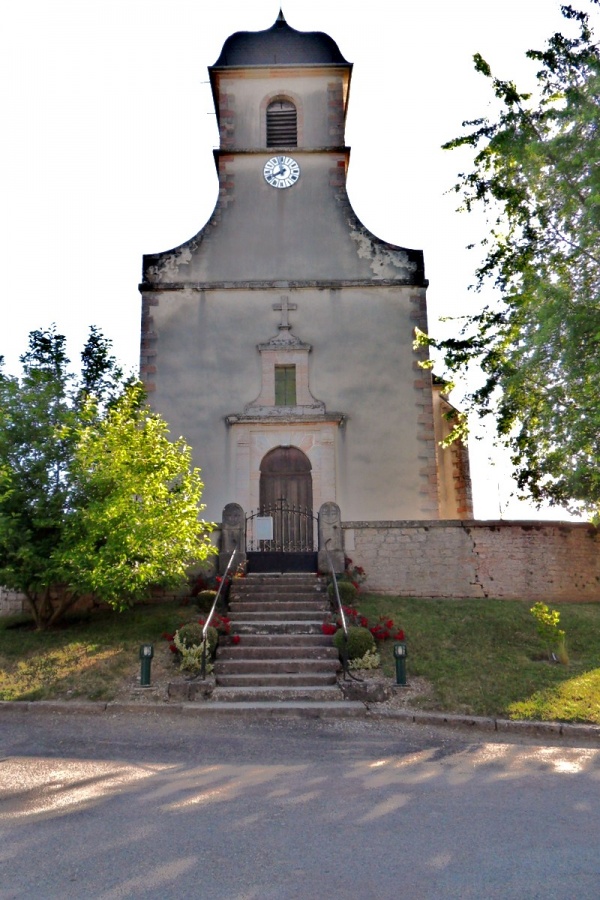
283 330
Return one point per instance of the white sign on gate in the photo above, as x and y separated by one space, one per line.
264 528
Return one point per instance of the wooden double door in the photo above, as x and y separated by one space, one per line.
286 496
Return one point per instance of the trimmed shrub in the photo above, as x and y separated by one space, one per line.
191 636
360 641
204 600
347 592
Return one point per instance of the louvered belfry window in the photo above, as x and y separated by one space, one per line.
282 124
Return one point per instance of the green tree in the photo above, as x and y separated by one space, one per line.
536 174
94 498
133 520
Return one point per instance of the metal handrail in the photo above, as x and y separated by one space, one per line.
345 666
212 612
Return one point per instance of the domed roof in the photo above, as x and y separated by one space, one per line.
280 45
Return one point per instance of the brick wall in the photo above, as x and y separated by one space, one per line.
546 561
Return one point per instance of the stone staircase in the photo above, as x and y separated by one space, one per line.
283 654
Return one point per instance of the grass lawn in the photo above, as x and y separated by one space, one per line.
484 657
481 657
88 658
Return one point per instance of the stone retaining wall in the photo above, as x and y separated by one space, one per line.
11 602
546 561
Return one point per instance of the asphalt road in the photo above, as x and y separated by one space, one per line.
168 806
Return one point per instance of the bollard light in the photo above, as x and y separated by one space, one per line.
146 654
400 660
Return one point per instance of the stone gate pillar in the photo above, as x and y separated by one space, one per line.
233 536
331 537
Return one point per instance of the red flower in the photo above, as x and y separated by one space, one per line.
222 624
172 648
364 622
328 628
235 639
399 636
166 636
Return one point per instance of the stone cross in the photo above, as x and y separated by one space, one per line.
286 307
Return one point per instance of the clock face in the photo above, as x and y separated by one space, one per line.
281 171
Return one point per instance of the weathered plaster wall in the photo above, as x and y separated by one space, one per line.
546 561
208 303
317 93
258 233
205 365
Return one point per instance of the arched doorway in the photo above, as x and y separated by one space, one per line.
289 542
285 477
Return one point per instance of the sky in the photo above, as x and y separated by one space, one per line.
109 128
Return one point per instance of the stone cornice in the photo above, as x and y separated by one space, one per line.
481 524
280 416
278 151
320 284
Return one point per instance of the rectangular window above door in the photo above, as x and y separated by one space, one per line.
285 385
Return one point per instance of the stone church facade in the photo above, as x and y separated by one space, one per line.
278 340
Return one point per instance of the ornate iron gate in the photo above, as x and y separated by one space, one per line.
281 528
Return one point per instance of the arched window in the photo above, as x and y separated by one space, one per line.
282 124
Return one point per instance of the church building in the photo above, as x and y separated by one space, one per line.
279 339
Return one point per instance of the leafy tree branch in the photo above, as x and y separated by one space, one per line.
536 174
